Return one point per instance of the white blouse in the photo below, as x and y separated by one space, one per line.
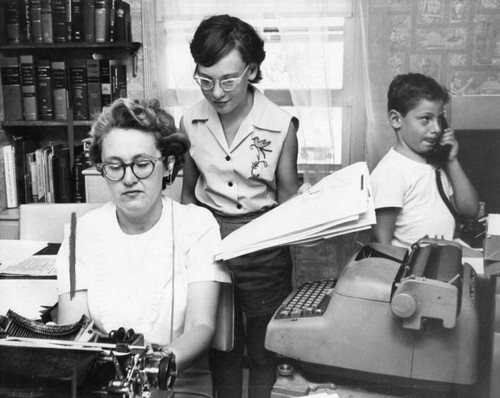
129 278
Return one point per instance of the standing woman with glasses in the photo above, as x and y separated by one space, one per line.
242 163
143 261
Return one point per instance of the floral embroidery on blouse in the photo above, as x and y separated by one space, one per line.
260 147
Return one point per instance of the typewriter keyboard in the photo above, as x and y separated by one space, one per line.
308 300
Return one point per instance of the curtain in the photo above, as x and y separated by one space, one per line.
301 79
379 136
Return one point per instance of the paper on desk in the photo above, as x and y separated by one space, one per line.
15 251
493 224
39 265
338 204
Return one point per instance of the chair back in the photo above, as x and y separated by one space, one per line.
45 221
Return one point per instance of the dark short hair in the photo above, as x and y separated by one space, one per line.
407 90
218 35
146 116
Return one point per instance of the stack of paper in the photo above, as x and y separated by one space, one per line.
17 258
338 204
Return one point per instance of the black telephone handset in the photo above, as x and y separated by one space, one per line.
440 152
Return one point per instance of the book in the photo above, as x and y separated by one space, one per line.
26 22
102 12
88 15
28 87
22 146
10 175
59 20
118 74
48 168
11 88
12 10
94 87
60 90
62 175
105 82
68 20
76 20
3 191
338 204
79 89
40 175
44 89
47 32
17 145
36 21
122 23
32 181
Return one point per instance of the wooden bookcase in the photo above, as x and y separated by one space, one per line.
69 132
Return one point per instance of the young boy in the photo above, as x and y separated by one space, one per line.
407 201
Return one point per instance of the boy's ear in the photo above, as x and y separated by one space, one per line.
394 119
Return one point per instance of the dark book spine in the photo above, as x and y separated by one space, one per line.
12 21
105 82
69 23
60 90
76 20
26 22
62 176
28 87
44 89
18 143
88 13
79 89
118 72
36 21
59 21
128 22
47 32
119 26
11 88
102 20
94 87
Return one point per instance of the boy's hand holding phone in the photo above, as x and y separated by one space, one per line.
447 148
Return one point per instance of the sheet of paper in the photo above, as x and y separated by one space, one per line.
15 251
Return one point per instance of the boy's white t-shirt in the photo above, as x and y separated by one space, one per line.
400 182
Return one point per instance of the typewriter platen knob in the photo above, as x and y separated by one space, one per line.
403 305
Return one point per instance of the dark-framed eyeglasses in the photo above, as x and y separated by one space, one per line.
227 85
115 171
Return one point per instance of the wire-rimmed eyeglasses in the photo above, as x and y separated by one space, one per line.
227 85
115 171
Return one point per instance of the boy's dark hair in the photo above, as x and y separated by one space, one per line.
218 35
144 115
407 90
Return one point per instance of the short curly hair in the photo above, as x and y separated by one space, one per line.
218 35
407 90
144 115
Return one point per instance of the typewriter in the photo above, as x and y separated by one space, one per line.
74 355
392 316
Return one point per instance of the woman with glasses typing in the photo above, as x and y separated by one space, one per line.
142 261
242 163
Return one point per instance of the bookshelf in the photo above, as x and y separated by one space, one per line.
53 129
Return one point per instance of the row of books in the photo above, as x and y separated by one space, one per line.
43 89
37 174
62 21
